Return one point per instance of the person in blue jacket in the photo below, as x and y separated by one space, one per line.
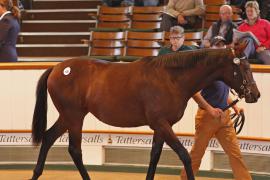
9 30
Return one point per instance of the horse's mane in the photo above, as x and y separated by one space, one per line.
189 59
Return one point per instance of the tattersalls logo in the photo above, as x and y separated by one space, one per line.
10 138
130 140
86 139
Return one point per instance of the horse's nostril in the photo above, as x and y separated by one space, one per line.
259 95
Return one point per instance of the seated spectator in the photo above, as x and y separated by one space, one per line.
261 29
9 30
224 27
218 42
263 4
184 13
177 39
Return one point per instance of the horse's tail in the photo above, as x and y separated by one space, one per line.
39 123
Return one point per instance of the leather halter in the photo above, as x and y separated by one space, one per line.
239 118
245 84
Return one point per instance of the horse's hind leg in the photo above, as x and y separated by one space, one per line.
49 138
155 155
75 138
170 138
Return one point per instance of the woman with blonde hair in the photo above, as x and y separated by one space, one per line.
261 29
9 30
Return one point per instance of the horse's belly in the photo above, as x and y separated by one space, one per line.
121 119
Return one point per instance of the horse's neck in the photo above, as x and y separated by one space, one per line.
207 76
200 77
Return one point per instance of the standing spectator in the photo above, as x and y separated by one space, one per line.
177 39
261 29
9 30
184 13
224 27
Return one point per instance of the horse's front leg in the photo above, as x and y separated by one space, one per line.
165 129
75 139
155 155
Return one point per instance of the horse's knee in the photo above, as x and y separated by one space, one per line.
73 151
47 138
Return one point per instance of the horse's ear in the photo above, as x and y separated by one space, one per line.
239 48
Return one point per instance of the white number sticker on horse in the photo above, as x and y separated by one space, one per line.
66 71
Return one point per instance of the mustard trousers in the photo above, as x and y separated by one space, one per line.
207 127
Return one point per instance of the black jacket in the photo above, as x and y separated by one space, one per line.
228 36
9 30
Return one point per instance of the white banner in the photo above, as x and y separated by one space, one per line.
131 140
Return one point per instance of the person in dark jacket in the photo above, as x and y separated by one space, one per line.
9 30
224 27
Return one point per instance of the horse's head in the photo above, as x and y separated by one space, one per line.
239 76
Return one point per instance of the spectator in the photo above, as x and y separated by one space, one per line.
184 13
9 29
218 42
177 39
263 4
261 29
224 27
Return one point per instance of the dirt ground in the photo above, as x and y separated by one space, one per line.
74 175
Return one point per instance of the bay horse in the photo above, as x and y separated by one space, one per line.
151 91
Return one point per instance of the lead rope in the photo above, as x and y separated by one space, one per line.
238 119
